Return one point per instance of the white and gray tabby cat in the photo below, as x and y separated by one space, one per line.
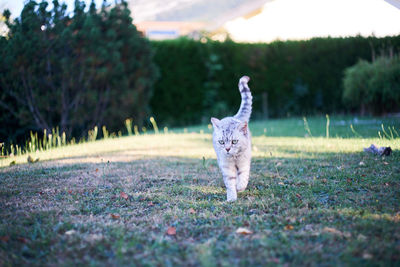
232 144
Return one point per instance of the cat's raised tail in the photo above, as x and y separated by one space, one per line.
247 99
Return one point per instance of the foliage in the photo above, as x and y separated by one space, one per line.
73 71
300 77
375 86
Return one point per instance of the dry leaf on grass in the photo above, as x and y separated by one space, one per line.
336 232
288 227
4 238
115 216
192 211
244 231
171 230
361 237
367 256
31 160
70 232
124 195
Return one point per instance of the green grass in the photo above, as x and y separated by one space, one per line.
310 201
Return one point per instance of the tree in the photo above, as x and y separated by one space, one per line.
75 72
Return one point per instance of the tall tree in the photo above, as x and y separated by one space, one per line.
74 71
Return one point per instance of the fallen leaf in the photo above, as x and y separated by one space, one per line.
361 237
115 216
244 231
331 230
31 160
192 211
4 238
367 256
171 230
336 232
94 238
69 191
70 232
288 227
97 170
298 195
124 195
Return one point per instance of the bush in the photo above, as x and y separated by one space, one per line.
373 87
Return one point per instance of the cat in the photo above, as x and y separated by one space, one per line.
232 144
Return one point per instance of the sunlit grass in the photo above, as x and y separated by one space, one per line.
195 145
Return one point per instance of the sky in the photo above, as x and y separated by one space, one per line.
299 19
304 19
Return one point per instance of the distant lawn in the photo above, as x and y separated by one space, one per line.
310 201
340 126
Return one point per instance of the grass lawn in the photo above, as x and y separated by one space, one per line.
159 200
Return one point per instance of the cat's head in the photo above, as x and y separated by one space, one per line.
230 135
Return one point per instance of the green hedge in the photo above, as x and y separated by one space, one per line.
199 80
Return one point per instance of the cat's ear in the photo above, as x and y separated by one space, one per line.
215 122
243 127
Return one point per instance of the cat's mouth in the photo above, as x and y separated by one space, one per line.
229 153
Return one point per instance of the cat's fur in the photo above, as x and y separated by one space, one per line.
232 144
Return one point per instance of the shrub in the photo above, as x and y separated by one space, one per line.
373 87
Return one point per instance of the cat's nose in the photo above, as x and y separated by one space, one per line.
227 149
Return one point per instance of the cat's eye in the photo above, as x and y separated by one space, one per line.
234 142
221 142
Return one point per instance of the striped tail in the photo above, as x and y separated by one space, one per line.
247 99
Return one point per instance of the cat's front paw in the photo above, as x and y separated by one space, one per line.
231 199
231 195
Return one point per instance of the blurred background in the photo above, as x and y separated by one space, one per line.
73 65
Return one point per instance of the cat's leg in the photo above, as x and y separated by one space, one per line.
229 175
243 173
